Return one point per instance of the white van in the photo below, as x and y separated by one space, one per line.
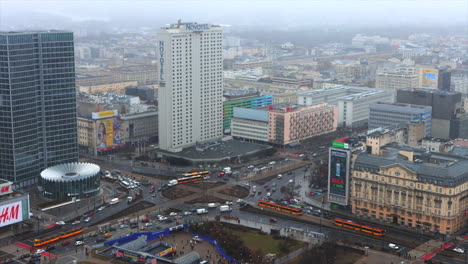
114 201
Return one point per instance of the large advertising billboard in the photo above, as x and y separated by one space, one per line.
429 78
108 130
108 133
14 210
338 175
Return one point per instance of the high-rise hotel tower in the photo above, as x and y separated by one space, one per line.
191 87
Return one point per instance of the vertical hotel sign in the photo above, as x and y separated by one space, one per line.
161 60
338 175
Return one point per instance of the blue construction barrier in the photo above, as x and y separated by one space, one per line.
150 236
214 242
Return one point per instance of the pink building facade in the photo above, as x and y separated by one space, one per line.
294 124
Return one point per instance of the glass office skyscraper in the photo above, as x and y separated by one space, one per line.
38 126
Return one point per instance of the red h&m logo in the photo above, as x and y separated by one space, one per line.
9 213
5 189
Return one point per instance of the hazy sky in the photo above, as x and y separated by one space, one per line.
273 13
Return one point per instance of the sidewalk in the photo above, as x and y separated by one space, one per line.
304 193
378 257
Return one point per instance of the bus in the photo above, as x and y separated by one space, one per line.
125 184
204 174
189 179
38 242
280 207
359 227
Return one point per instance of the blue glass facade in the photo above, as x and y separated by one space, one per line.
38 126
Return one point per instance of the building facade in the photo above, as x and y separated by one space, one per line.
384 115
396 80
282 125
38 109
425 191
191 85
447 110
254 101
353 102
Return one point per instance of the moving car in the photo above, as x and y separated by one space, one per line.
197 238
459 250
272 162
60 223
77 222
268 194
280 176
87 219
79 243
66 242
250 167
273 220
39 251
393 246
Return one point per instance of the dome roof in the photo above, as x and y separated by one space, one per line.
70 171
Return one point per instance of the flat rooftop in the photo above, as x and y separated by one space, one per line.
218 150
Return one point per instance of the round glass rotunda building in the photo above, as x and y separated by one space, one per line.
65 181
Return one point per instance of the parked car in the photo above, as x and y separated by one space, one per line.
123 226
312 194
60 223
187 213
77 222
87 219
24 256
146 220
229 202
280 176
79 243
66 242
101 208
39 251
173 214
197 238
459 250
250 167
268 195
107 235
148 224
273 220
133 225
272 163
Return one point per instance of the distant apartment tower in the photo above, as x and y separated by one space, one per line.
387 114
38 122
191 85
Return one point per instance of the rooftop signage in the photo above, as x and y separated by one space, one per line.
196 27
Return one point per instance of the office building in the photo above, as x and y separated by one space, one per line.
191 85
411 188
283 124
448 119
433 77
386 114
38 104
459 84
396 80
353 102
244 101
